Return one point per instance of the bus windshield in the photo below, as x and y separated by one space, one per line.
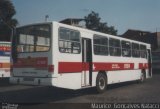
34 38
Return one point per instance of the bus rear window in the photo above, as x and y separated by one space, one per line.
35 38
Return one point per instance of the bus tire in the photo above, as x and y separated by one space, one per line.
101 83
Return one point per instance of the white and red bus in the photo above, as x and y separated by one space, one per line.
71 57
5 50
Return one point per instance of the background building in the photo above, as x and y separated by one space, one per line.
144 36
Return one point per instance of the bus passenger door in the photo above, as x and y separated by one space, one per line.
86 77
149 63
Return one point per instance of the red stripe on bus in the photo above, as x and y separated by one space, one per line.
113 66
38 62
3 48
72 67
143 65
69 67
4 65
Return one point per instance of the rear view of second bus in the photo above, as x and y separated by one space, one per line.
5 59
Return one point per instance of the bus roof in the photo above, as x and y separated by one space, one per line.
88 31
100 33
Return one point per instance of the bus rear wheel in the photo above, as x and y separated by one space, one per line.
101 83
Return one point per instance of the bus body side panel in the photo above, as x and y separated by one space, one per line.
114 76
65 75
68 80
123 76
119 75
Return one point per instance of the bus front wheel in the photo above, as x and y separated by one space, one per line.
101 82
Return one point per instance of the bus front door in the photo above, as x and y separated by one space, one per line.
149 63
86 79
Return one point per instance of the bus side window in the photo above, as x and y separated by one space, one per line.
135 50
126 48
100 45
114 47
69 41
143 51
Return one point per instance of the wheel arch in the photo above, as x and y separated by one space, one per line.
103 72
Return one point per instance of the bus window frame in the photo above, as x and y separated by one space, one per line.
130 49
133 50
50 34
100 53
59 39
143 50
111 46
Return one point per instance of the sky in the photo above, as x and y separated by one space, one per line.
122 14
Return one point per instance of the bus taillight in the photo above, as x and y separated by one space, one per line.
51 68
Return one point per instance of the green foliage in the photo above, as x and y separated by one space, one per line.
7 11
93 22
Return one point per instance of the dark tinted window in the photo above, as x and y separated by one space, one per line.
100 45
126 48
143 51
114 47
135 50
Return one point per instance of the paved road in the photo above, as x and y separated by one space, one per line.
130 92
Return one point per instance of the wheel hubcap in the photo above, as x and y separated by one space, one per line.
101 83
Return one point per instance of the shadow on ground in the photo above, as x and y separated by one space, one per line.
48 94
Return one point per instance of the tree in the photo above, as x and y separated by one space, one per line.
93 22
7 22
